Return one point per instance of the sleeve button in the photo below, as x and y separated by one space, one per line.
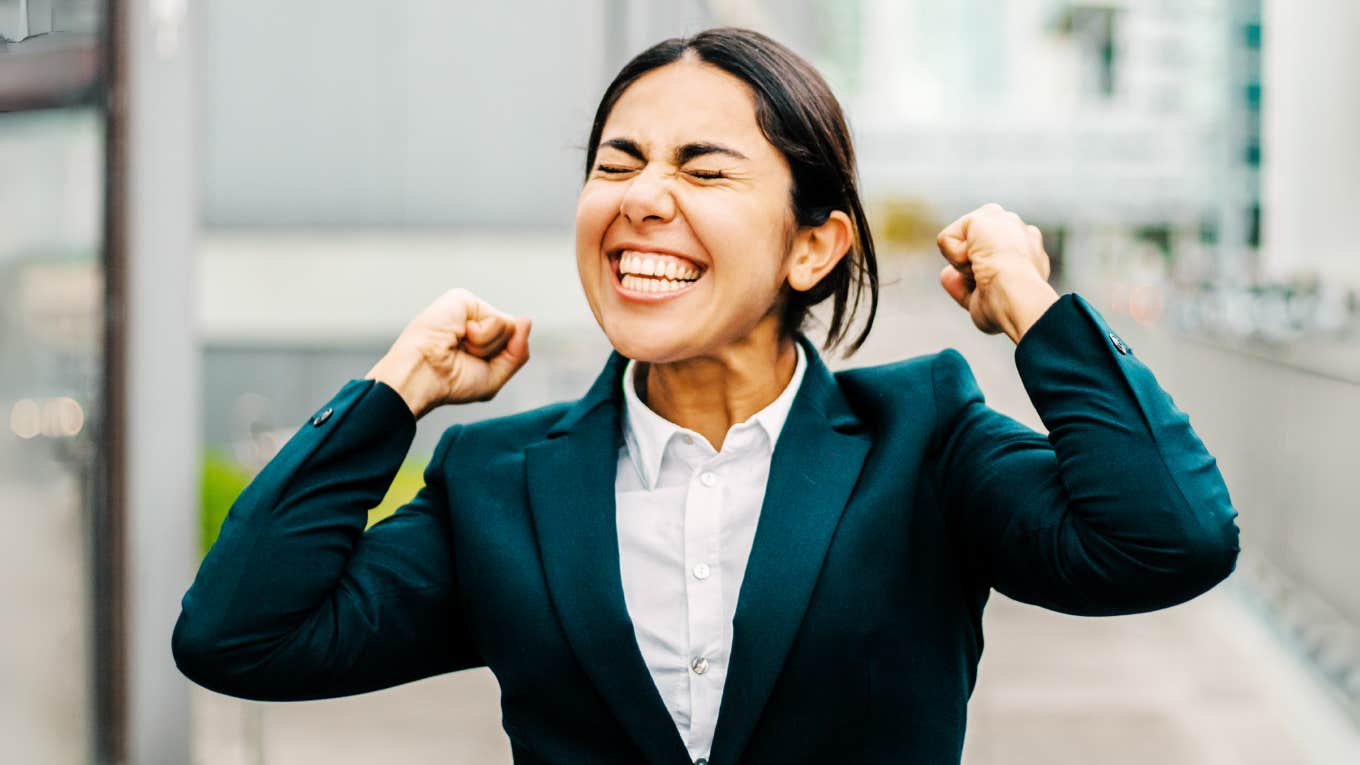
322 416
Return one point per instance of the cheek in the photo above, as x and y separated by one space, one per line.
745 238
595 208
597 204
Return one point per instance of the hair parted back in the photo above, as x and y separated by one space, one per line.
800 117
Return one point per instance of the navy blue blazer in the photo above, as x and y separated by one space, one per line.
896 500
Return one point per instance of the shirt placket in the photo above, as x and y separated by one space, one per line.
704 588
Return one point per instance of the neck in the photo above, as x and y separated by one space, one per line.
710 393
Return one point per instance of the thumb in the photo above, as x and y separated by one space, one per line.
955 284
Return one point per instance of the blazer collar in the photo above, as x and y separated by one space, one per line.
571 479
648 433
824 398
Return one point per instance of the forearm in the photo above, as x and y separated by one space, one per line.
1118 509
413 380
1153 507
286 542
1025 297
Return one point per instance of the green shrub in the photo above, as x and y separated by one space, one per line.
223 480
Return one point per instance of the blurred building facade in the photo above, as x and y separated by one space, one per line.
1129 131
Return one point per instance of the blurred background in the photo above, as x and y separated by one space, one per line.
213 214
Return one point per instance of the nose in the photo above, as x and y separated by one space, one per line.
647 198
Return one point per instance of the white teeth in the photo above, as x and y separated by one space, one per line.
644 265
648 284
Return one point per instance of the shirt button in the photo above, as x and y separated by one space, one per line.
699 665
701 761
701 571
708 479
1119 344
322 416
689 439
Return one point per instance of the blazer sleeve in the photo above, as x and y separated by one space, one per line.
295 600
1119 509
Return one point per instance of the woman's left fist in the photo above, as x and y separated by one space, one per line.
998 270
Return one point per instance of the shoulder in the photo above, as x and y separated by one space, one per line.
506 434
890 384
921 390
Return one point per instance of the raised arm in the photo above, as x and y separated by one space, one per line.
295 600
1119 509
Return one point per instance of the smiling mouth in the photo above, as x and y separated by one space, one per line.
653 274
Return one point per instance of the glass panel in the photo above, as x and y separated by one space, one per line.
51 325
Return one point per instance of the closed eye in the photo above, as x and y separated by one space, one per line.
708 175
613 169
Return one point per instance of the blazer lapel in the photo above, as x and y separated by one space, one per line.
571 479
815 466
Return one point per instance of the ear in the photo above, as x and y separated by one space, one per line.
817 249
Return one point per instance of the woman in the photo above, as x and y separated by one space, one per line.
722 552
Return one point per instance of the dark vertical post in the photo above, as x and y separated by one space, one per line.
109 534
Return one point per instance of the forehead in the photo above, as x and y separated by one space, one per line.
687 100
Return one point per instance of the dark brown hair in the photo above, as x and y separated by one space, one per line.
802 119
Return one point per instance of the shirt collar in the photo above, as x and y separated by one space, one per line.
647 433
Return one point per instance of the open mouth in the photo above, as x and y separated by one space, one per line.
651 275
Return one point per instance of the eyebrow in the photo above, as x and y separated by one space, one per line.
681 155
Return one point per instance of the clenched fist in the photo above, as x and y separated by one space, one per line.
459 349
998 270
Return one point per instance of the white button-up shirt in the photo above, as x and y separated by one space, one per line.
686 519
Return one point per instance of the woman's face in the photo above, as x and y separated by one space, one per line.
684 221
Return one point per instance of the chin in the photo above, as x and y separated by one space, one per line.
633 340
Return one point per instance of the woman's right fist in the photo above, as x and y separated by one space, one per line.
459 349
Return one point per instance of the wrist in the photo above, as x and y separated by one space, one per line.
408 377
1026 296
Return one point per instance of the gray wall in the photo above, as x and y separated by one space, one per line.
409 113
